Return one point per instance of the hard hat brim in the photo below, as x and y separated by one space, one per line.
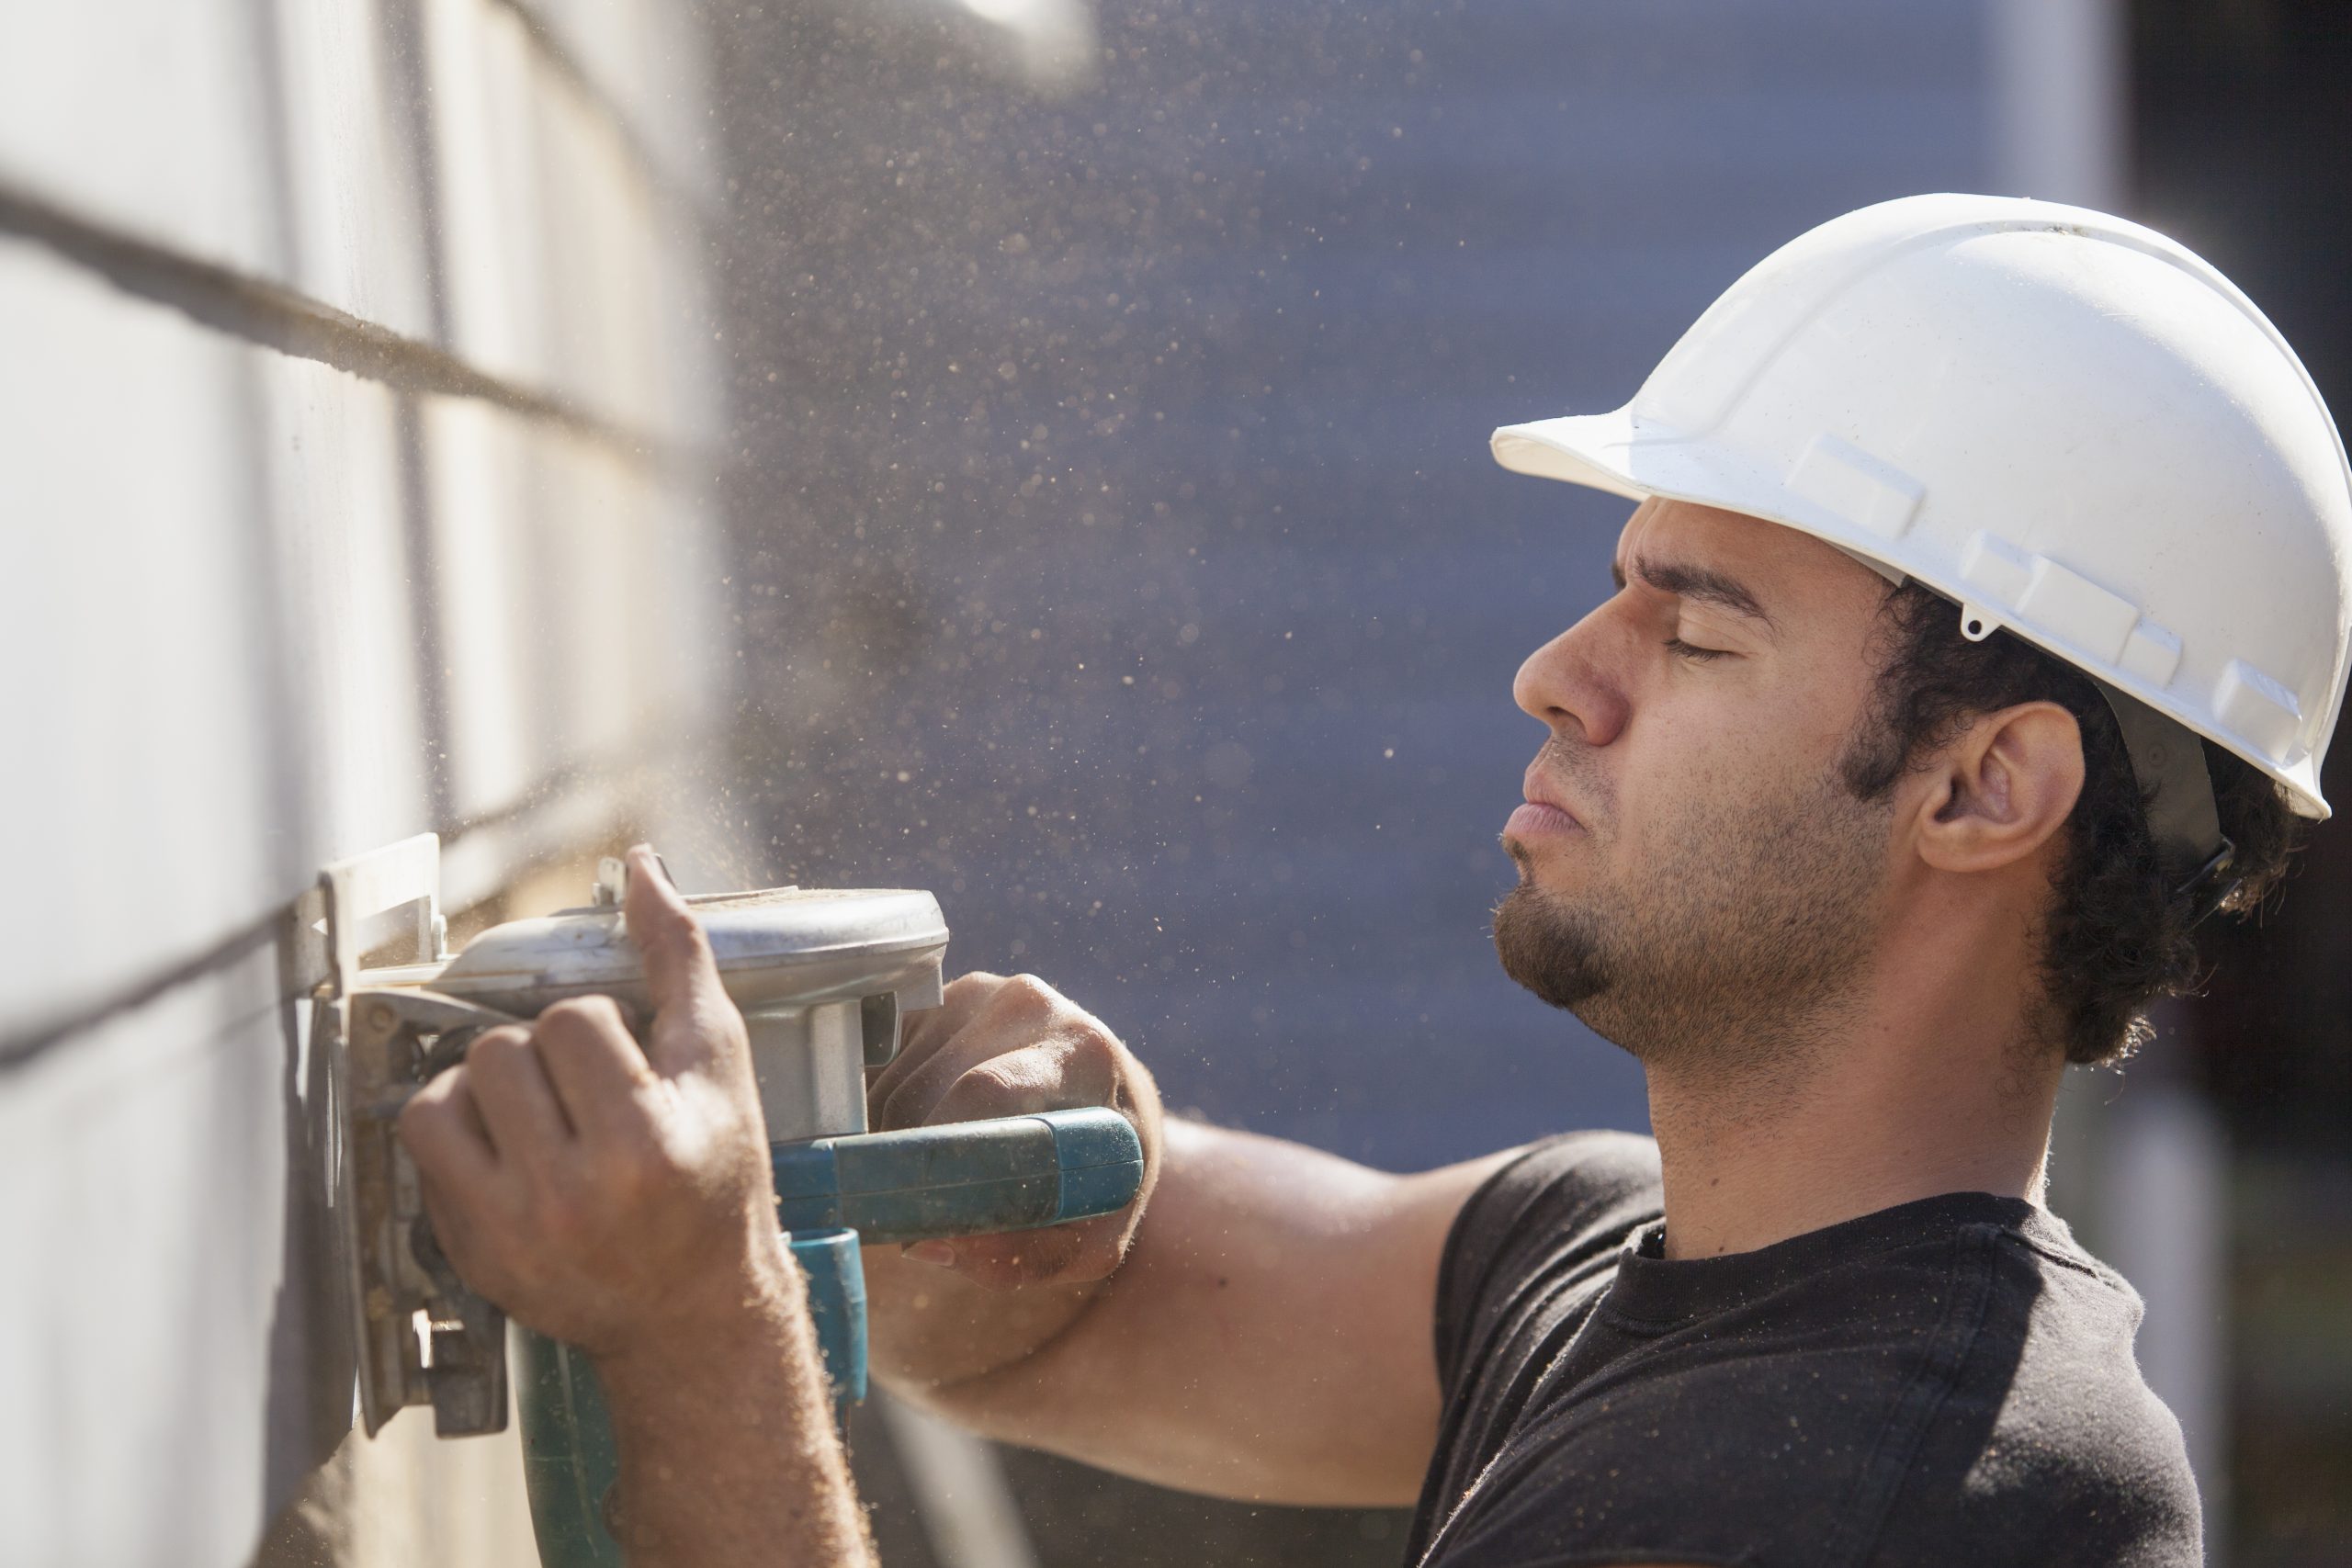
1597 450
1638 458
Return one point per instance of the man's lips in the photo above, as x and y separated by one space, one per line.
1536 790
1539 820
1546 814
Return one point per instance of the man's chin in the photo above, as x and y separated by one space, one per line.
1551 950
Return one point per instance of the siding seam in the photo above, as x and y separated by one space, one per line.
29 1046
21 1050
271 315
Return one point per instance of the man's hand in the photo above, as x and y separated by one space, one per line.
998 1047
620 1199
1012 1047
608 1196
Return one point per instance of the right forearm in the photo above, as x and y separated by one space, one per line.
1266 1333
1268 1336
931 1328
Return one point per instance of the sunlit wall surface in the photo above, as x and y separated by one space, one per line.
355 409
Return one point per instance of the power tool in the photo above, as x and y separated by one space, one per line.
824 979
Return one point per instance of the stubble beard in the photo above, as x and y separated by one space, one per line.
1738 950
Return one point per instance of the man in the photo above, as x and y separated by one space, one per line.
1980 629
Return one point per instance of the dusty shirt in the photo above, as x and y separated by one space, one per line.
1946 1383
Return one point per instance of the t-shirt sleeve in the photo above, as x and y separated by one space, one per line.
1558 1200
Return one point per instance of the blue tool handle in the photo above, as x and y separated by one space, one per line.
829 1263
962 1178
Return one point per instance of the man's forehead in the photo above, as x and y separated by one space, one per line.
1765 555
1689 526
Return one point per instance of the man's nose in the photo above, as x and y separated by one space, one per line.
1567 682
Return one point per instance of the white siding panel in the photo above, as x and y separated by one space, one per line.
183 1366
578 599
204 545
479 62
698 636
598 651
483 497
344 573
603 284
553 237
150 115
143 1173
358 236
146 724
261 614
260 135
645 57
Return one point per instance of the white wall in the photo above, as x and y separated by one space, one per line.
355 399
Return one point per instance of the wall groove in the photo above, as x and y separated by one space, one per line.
544 798
25 1048
273 316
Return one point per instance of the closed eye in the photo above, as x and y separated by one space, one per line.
1691 651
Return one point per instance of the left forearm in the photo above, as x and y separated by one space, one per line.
728 1453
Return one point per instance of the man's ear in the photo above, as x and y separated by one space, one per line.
2002 789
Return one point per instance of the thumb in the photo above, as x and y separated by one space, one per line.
694 1022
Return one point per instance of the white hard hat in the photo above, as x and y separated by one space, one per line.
2066 422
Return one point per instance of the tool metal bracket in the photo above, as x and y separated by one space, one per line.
421 1337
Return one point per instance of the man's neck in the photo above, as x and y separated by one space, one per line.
1924 1087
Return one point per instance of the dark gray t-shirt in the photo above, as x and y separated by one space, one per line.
1946 1383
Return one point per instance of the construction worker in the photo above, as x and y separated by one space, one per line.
1980 629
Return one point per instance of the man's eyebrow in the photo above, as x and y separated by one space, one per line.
1704 584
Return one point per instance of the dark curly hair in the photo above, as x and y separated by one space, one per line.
2116 936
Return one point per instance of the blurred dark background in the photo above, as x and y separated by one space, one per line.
2242 145
1117 553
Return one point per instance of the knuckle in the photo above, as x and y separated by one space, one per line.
423 1112
581 1015
1028 991
1096 1050
683 937
495 1046
978 981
